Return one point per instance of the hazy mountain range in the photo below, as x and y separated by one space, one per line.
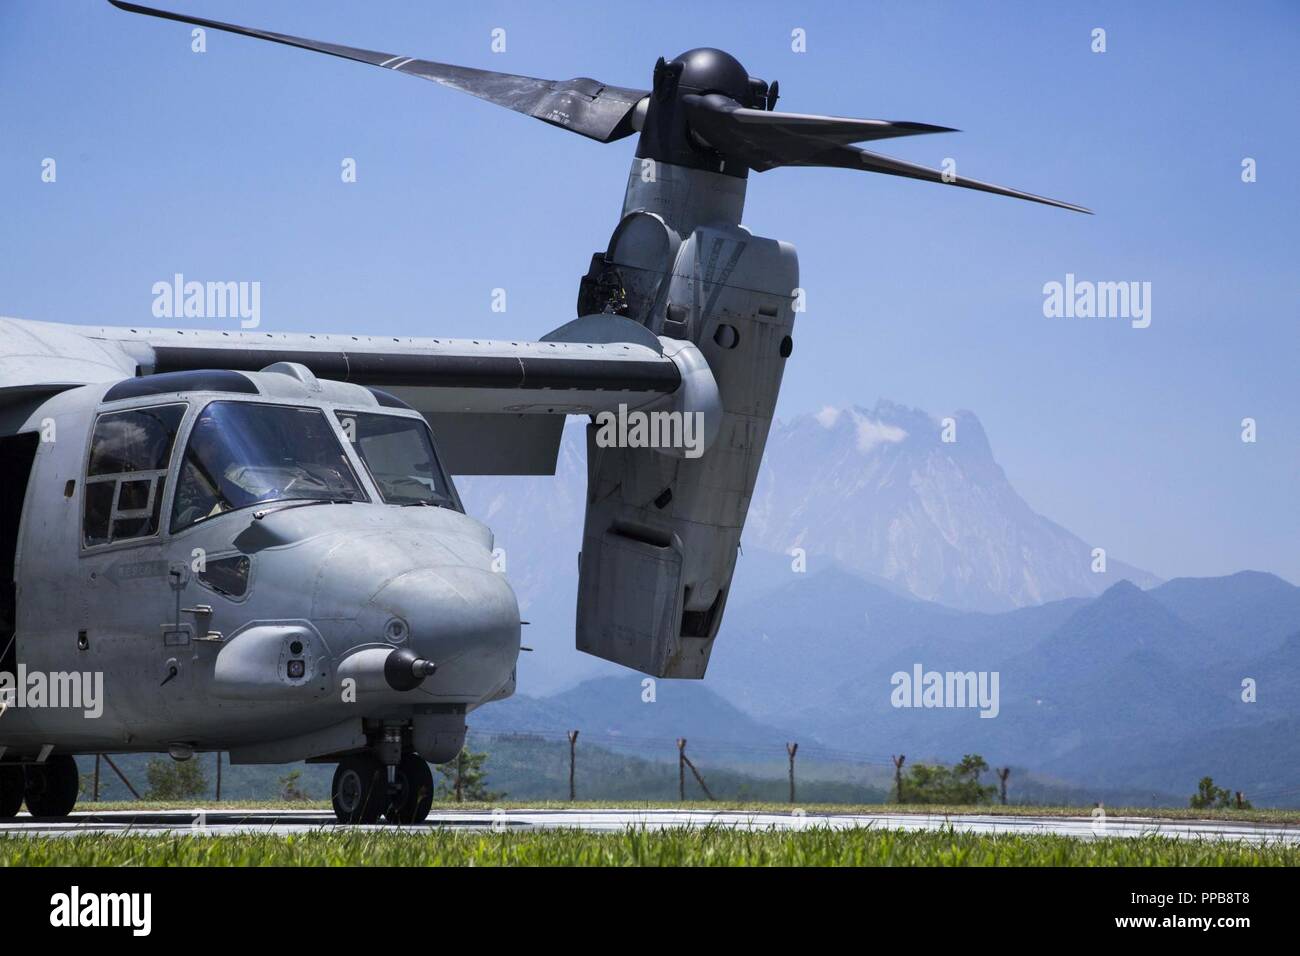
1101 689
1132 691
920 554
877 493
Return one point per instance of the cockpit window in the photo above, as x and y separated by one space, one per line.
399 455
244 453
127 472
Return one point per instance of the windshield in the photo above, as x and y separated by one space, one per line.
399 455
243 453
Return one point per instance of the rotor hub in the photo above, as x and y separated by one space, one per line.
708 70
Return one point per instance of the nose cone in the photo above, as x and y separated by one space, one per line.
464 619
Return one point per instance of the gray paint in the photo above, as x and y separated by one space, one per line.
654 573
330 576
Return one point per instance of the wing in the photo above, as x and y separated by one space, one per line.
478 375
498 405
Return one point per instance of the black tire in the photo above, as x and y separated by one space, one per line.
360 789
414 797
52 786
13 783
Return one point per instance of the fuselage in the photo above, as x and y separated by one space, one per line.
247 596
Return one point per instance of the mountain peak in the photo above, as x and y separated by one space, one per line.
1124 619
960 435
1122 590
1241 583
918 500
867 430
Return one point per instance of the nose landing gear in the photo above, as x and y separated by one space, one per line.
363 791
412 795
49 788
360 789
12 783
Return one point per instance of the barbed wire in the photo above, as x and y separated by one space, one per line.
646 747
704 745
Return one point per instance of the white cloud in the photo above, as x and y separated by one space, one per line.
872 433
828 416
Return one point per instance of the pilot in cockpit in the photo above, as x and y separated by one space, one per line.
203 493
244 453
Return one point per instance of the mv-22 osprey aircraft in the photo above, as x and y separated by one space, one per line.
255 538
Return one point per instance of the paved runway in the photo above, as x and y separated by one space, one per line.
227 821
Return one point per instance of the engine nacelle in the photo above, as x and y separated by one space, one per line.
662 532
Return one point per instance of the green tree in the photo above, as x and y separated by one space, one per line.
86 785
932 783
970 767
1210 797
175 779
465 779
291 788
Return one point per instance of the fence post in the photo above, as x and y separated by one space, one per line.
681 769
698 779
95 798
1002 783
109 760
898 775
792 749
218 776
573 740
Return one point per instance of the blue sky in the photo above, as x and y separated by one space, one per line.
225 165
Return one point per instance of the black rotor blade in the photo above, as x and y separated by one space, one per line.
850 157
583 105
767 140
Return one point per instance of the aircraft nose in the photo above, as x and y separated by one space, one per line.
463 619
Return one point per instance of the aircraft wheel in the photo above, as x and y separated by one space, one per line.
414 797
360 789
12 784
52 786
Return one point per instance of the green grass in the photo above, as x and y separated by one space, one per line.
710 846
1276 817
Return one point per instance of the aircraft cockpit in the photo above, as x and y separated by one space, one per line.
244 442
255 549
